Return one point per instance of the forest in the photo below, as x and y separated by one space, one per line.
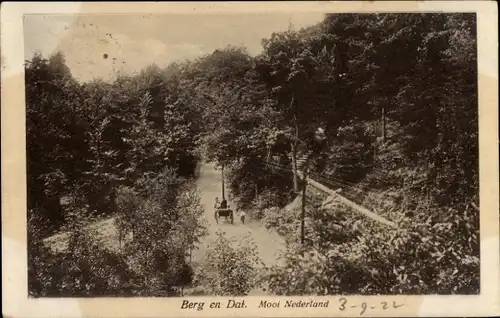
395 98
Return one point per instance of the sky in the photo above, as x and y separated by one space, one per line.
131 42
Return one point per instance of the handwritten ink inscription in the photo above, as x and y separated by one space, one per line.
344 304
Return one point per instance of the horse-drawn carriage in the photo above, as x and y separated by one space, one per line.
224 212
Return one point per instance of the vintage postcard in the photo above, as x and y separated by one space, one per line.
250 159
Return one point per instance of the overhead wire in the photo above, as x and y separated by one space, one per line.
335 183
290 170
316 176
276 167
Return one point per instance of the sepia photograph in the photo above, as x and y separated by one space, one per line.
267 154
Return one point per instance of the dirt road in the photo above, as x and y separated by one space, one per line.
269 243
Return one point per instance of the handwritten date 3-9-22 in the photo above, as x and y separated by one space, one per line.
344 305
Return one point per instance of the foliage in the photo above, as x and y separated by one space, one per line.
231 270
85 268
286 223
49 90
346 254
255 187
268 200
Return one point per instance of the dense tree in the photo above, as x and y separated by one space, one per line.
52 135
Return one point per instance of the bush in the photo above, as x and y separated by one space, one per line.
85 268
231 270
165 220
433 253
284 222
268 199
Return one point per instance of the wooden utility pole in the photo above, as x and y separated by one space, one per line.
303 212
304 199
223 193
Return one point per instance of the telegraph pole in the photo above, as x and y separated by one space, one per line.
304 199
303 212
319 143
223 193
